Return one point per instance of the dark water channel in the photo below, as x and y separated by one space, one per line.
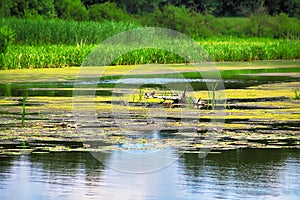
235 174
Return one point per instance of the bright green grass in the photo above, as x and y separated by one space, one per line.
237 49
41 32
220 49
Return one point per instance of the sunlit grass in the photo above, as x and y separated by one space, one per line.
53 56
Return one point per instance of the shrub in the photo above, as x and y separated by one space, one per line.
71 10
107 11
286 27
181 19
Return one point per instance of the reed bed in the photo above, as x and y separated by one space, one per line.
49 56
60 43
251 49
46 56
54 31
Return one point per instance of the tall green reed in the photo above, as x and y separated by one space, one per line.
24 108
54 31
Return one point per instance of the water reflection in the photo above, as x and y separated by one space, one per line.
6 162
238 174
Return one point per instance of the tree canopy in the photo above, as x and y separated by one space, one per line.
99 9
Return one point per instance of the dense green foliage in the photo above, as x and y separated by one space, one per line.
197 25
235 49
181 19
107 11
46 56
79 9
220 49
265 18
63 32
6 38
39 32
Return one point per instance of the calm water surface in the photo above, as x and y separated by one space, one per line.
236 174
239 174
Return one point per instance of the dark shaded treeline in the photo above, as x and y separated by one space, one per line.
88 9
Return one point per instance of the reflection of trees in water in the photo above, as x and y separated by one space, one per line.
256 166
6 163
17 89
65 166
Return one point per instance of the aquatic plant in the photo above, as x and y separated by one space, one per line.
24 108
141 94
46 56
190 102
212 94
50 56
54 31
297 94
241 49
24 144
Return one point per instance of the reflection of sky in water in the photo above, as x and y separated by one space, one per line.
161 80
213 178
147 81
29 183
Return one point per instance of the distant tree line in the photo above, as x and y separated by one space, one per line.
81 10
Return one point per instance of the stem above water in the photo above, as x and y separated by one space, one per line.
24 109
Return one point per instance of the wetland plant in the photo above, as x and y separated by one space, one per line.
6 38
190 102
24 109
297 94
141 94
212 94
